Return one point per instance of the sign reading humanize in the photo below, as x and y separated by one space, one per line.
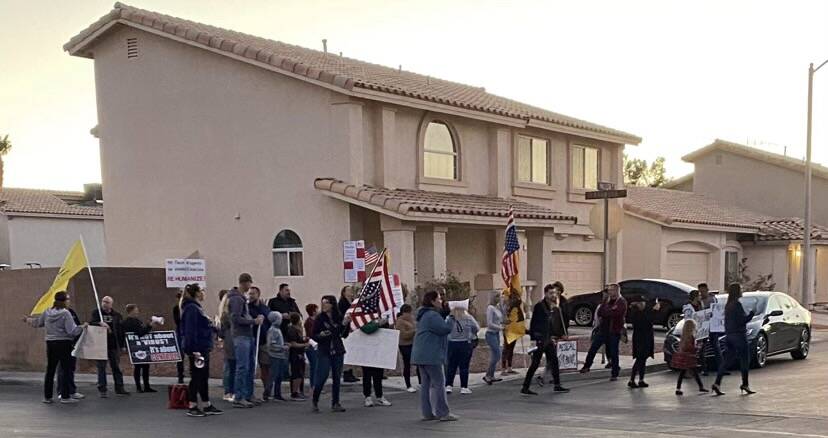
154 347
181 272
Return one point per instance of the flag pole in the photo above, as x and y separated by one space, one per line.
94 288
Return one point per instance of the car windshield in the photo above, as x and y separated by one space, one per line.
754 303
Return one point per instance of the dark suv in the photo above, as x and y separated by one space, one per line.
670 294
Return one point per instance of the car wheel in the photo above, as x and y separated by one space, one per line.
672 320
760 354
583 316
804 345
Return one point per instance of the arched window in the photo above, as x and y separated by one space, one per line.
440 157
287 255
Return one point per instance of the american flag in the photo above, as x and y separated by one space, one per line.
508 267
371 256
375 297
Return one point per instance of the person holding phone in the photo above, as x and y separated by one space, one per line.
196 343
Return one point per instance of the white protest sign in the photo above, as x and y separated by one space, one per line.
353 260
181 272
378 350
459 305
91 344
702 320
717 324
568 355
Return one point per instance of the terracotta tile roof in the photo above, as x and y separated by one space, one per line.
671 206
791 229
756 154
410 202
342 72
47 203
673 183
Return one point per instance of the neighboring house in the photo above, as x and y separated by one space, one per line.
755 179
695 238
38 227
264 157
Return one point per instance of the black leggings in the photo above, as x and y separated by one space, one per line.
405 351
373 376
551 352
508 353
640 367
199 378
695 373
57 352
141 371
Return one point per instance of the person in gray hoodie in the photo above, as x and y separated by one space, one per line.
60 338
242 326
429 355
278 352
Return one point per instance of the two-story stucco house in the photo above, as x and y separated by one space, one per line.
264 157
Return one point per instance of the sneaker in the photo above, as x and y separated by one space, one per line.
382 401
121 391
195 412
139 390
256 402
244 404
148 389
527 391
495 380
488 380
68 401
277 399
297 398
212 410
315 409
511 371
411 389
583 370
429 418
228 397
448 389
559 388
337 408
450 417
504 373
48 401
465 391
369 402
78 396
643 384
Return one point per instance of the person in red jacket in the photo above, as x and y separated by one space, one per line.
611 314
686 358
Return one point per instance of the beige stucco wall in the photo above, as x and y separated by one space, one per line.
5 257
642 248
764 259
48 240
203 153
469 252
759 186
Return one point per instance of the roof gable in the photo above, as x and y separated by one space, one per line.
756 154
345 74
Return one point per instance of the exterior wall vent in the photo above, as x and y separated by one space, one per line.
132 48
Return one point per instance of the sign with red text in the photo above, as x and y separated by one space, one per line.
181 272
353 260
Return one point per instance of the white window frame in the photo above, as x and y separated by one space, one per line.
288 251
455 154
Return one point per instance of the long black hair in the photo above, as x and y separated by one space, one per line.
734 292
335 316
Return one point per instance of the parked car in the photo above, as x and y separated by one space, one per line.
670 294
781 325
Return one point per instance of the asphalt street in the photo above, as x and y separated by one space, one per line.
791 402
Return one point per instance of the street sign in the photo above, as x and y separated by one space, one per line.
603 185
606 194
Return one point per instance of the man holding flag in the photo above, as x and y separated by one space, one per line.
515 327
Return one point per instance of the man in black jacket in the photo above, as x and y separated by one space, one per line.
547 326
114 343
283 304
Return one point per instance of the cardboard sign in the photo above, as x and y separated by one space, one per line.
154 347
353 260
181 272
702 320
717 324
378 350
91 344
568 355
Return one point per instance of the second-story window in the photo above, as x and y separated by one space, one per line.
533 161
440 157
584 167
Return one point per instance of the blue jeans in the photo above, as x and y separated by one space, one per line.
459 356
328 365
433 391
311 354
278 373
230 376
611 342
243 351
114 363
493 340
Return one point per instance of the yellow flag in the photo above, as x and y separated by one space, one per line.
516 327
75 261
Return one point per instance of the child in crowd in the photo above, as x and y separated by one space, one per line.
685 358
278 352
297 341
132 324
310 352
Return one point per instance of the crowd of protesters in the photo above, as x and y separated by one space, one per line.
275 339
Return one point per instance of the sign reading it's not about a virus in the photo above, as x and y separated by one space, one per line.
154 347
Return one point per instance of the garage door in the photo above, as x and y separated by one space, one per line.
579 272
687 267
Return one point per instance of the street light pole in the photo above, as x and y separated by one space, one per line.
807 283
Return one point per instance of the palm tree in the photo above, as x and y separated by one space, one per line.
5 147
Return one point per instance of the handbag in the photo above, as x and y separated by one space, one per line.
178 396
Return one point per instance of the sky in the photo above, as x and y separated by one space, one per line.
676 73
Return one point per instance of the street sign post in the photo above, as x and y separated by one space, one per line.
606 191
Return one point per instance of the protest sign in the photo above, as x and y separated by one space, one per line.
464 304
91 344
378 350
717 324
353 260
154 347
181 272
702 320
568 355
